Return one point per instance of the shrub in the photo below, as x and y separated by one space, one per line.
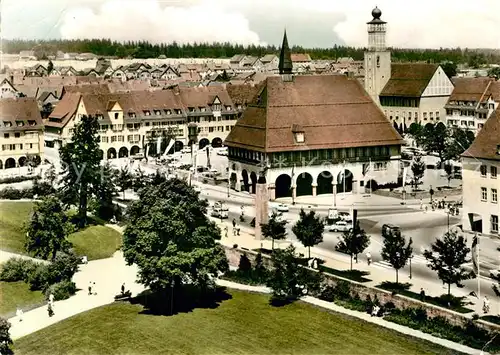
42 188
245 266
11 180
450 301
17 269
61 290
395 287
327 293
39 278
11 193
64 267
343 289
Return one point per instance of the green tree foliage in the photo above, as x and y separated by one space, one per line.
459 141
448 168
51 175
139 179
446 257
104 191
418 169
124 180
436 139
416 132
142 49
494 73
354 241
47 229
449 68
171 239
244 266
287 279
80 166
395 250
5 340
274 228
309 229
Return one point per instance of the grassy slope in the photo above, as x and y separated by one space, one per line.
245 324
17 294
95 241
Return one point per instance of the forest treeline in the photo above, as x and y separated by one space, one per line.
142 49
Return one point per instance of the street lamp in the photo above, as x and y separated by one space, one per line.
411 257
193 138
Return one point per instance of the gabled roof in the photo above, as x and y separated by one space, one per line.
469 89
20 109
486 143
65 109
268 58
204 96
300 57
86 89
409 79
243 94
334 111
237 58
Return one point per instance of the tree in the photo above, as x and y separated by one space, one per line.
124 180
354 241
395 252
448 168
47 229
171 239
416 131
274 229
50 67
449 68
51 175
309 229
5 339
289 280
494 73
436 139
80 165
139 179
104 191
446 257
458 143
418 169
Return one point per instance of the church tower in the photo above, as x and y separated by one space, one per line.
377 58
285 65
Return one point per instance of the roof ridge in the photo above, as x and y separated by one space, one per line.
324 104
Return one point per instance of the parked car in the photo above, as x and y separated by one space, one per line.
389 229
220 205
138 156
219 213
345 216
280 207
340 226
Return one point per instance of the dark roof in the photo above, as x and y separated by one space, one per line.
20 109
469 89
487 140
87 89
243 94
64 110
409 80
285 65
334 111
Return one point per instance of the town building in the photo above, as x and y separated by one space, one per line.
406 92
472 102
312 134
21 133
128 121
481 183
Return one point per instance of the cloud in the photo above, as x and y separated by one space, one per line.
124 20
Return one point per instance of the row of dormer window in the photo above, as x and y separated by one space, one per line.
18 135
19 123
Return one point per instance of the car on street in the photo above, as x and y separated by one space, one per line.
280 207
340 226
138 156
345 216
219 213
221 205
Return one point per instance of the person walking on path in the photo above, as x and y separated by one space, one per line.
51 299
123 288
225 230
50 311
486 304
90 288
368 258
422 295
19 314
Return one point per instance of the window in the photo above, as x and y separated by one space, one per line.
483 170
493 172
494 195
378 61
116 115
228 108
168 112
104 139
425 116
431 116
131 114
147 113
17 134
6 135
32 123
484 194
99 116
157 112
437 115
299 137
19 123
494 224
381 166
113 139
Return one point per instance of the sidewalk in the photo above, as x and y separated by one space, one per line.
340 261
363 316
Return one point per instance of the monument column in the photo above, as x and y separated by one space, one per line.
261 205
314 189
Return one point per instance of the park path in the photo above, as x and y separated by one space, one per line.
109 274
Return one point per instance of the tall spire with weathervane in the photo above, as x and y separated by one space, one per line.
285 65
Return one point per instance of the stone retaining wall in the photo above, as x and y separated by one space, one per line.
424 195
400 301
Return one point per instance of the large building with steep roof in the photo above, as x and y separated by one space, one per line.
481 182
315 134
407 92
21 132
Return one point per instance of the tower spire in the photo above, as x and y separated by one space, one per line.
285 66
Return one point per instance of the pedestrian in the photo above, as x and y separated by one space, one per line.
238 230
225 230
93 287
234 223
123 288
368 258
50 310
422 295
315 263
421 204
356 258
19 314
90 288
84 259
425 210
486 304
51 298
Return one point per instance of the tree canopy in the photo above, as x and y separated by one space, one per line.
5 339
418 170
309 229
80 160
446 257
395 251
354 241
171 239
274 228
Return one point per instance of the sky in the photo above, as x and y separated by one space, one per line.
311 23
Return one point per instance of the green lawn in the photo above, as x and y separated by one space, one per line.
95 241
245 324
14 294
13 215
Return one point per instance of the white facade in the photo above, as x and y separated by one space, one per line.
481 185
470 115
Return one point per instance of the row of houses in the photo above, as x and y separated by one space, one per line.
127 120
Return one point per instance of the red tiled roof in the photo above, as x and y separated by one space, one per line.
487 140
469 89
333 110
300 57
64 110
409 80
20 109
